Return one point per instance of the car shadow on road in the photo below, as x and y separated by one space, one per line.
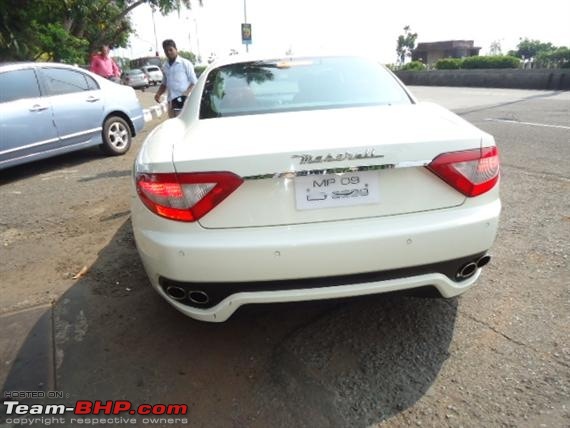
50 165
107 174
334 363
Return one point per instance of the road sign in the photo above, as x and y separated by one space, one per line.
246 34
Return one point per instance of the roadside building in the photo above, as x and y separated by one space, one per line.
429 53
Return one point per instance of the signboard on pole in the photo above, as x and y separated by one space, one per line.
246 34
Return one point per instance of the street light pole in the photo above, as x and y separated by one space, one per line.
154 25
245 20
197 40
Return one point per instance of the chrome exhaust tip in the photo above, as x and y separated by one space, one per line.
175 292
483 261
199 297
467 270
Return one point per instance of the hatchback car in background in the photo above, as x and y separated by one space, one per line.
291 179
153 74
47 109
135 78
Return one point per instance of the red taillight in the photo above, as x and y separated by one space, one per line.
472 172
185 197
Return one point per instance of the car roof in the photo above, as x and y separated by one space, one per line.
23 65
235 59
247 57
27 65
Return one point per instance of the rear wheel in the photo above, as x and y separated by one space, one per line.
116 136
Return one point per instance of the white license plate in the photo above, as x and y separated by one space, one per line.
336 190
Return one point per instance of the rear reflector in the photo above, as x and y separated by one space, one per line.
187 196
472 172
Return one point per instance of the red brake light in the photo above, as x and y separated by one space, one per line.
185 197
472 172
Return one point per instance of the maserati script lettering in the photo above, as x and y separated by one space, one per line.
333 157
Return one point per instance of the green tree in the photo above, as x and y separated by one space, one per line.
527 48
68 30
25 34
557 58
190 56
406 43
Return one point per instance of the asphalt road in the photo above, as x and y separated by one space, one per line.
498 356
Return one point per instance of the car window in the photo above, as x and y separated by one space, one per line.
298 84
18 84
91 83
60 81
152 69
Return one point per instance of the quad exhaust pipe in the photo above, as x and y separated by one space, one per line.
470 268
483 261
198 296
175 292
180 293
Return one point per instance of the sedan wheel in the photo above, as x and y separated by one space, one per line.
116 136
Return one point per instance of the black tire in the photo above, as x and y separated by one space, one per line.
116 136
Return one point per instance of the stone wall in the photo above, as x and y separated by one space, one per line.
496 78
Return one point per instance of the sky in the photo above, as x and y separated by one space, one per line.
361 26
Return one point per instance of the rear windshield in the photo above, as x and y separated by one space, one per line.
152 69
298 84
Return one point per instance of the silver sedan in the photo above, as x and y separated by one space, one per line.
47 109
135 78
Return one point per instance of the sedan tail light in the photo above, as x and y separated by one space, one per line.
187 196
472 172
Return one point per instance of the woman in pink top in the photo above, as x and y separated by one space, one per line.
103 65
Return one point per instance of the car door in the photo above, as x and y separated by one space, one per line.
26 118
77 103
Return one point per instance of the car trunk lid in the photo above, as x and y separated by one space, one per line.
327 165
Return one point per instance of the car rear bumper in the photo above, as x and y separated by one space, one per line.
189 253
223 310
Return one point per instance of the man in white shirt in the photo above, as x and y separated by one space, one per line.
178 78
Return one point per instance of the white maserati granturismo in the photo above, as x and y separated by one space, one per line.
292 179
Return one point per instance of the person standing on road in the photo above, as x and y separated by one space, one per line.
178 78
103 65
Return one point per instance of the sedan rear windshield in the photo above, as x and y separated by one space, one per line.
298 84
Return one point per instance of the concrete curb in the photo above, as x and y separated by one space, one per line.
154 112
